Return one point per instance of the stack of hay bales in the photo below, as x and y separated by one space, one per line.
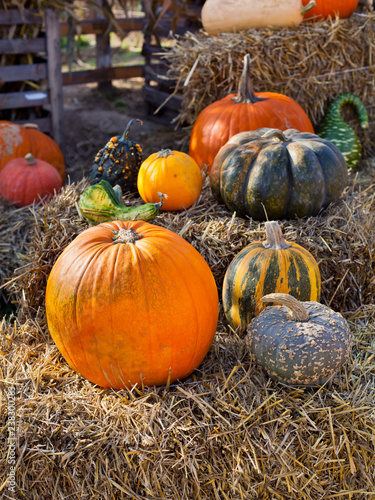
311 63
227 431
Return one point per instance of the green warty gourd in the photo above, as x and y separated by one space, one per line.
336 130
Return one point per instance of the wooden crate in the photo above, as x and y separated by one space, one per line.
45 105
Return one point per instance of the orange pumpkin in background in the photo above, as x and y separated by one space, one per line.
132 303
17 140
25 180
330 8
242 112
173 173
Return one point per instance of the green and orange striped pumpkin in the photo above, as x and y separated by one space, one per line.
263 267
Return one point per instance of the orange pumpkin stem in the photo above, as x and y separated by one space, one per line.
30 159
275 238
245 93
128 236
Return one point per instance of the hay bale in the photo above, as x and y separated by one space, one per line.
14 238
227 431
311 63
341 238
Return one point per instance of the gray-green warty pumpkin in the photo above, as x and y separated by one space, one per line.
118 162
299 343
271 174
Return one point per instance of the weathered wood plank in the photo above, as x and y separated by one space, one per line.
102 74
157 98
21 46
97 27
103 55
14 16
188 10
23 72
158 73
168 112
54 75
28 99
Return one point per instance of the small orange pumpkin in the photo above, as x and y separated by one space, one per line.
16 141
25 180
330 8
130 303
172 173
246 110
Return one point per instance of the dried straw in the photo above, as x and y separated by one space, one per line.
227 431
341 238
311 63
14 236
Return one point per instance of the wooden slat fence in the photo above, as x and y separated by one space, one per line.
45 51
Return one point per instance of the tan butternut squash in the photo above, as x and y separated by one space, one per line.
220 16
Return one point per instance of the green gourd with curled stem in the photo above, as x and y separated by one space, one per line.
102 203
336 130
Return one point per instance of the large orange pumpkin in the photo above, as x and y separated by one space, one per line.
16 141
330 8
130 303
241 112
24 180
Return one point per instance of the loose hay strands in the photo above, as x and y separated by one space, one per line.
14 236
311 63
227 431
341 238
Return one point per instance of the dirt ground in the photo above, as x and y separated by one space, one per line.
91 118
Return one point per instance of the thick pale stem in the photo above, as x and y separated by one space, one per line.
128 236
245 93
275 239
309 6
30 159
160 204
164 153
297 310
275 134
30 125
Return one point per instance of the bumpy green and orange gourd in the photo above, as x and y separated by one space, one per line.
119 161
334 129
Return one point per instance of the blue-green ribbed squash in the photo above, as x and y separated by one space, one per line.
269 174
